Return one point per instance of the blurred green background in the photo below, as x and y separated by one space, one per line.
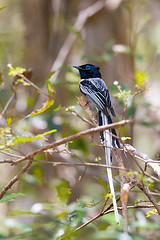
123 38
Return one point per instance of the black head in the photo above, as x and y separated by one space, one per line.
88 71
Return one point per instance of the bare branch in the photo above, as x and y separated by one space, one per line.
142 156
80 21
35 86
15 179
107 211
147 193
88 109
79 116
10 154
55 164
73 137
6 106
124 180
55 144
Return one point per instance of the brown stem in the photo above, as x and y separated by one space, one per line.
123 181
73 137
15 179
147 193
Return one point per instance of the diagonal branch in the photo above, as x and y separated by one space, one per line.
147 193
73 137
15 179
124 180
107 211
155 165
79 24
30 156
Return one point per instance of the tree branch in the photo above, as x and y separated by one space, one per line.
155 165
79 24
124 180
147 193
15 179
106 211
73 137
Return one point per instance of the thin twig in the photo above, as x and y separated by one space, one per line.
34 85
105 212
6 106
15 179
30 156
147 193
10 154
124 180
79 23
73 137
80 117
88 109
142 156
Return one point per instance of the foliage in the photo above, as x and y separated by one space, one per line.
10 197
45 106
52 198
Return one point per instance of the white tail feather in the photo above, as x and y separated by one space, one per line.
108 152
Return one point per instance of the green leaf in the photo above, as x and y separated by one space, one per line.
152 212
58 108
104 172
21 80
10 197
141 78
50 75
72 29
50 88
70 108
140 201
2 8
109 195
24 139
15 71
102 182
9 121
63 190
125 138
22 212
93 144
49 102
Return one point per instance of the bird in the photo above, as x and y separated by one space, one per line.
96 92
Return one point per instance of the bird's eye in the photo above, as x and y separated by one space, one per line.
87 67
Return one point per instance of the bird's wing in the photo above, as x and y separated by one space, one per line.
93 94
101 86
97 92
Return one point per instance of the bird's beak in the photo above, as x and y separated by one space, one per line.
79 68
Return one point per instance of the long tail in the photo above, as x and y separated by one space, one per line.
109 142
